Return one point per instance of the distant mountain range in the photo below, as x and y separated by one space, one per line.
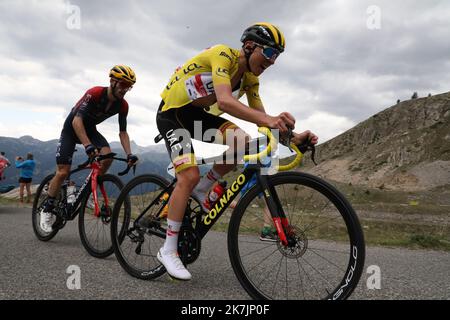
151 159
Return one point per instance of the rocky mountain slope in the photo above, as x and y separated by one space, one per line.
405 147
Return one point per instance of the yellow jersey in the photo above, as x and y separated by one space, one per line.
199 75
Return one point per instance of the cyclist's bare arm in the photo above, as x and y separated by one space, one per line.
125 141
229 104
80 131
254 101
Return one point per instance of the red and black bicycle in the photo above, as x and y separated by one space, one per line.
93 207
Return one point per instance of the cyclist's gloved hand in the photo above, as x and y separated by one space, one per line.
91 150
132 159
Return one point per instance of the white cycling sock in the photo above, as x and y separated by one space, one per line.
173 227
205 183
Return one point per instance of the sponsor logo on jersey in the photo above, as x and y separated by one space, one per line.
223 54
189 68
200 85
222 72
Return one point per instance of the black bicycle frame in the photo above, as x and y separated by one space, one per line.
228 196
82 192
230 193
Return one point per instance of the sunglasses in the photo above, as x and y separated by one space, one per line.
125 85
269 53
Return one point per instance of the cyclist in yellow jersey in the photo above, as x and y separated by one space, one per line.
197 93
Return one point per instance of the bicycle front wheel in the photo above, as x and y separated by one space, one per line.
95 230
325 255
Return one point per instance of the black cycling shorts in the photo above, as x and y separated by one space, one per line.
179 126
25 180
68 140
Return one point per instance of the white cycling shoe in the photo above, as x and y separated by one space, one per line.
173 265
46 221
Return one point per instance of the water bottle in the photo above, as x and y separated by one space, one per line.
71 190
216 193
165 210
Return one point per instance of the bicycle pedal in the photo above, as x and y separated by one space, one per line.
138 249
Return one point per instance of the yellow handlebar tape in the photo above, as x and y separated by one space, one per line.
272 146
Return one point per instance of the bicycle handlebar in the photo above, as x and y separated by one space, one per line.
111 155
300 150
271 145
124 172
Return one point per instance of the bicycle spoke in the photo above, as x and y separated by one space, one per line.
305 201
262 274
267 245
309 278
329 261
318 272
301 279
309 228
328 250
263 259
316 217
287 290
276 278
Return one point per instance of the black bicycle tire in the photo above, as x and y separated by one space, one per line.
116 241
326 189
81 227
34 213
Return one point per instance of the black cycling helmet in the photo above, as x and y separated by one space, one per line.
265 34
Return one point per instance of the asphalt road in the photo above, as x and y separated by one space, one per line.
31 269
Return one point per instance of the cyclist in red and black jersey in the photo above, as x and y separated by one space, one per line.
97 105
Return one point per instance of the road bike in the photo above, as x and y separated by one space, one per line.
92 207
319 251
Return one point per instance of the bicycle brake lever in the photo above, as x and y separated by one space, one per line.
128 170
124 172
290 135
313 154
307 146
287 141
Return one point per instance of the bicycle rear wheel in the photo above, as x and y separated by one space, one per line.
95 231
326 255
137 246
38 204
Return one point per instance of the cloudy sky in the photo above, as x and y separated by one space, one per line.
344 60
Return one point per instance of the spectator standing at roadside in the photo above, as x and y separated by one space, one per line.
4 163
26 175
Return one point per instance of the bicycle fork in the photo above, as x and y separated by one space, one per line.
94 190
276 210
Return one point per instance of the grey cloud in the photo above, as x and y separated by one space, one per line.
409 50
328 45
